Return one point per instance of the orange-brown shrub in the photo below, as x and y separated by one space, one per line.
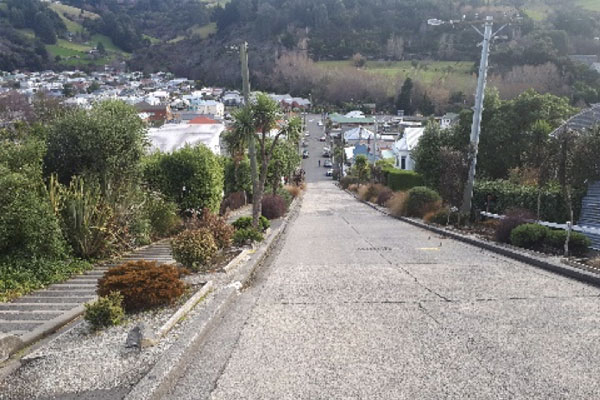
143 284
397 204
293 190
384 196
353 187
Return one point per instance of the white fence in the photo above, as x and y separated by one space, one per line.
554 225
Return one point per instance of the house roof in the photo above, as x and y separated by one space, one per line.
203 120
586 119
358 133
410 139
171 137
342 119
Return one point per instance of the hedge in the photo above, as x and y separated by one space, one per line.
401 180
506 195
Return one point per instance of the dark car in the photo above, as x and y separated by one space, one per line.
305 154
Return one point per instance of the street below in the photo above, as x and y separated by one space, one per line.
357 305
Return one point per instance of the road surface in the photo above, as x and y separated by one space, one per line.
357 305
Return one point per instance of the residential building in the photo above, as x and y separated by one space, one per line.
404 146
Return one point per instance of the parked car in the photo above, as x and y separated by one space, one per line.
323 138
307 134
326 154
320 123
327 164
305 154
329 172
304 143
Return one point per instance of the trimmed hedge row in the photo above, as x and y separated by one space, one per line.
506 195
400 180
538 237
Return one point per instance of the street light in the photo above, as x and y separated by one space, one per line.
488 36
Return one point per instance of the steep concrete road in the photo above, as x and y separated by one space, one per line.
356 305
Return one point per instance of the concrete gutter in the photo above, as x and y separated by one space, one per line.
159 380
575 271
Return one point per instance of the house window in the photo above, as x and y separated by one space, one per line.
403 162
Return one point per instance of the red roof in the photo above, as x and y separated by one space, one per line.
203 120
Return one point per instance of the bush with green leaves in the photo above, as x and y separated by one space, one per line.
192 177
238 177
19 275
222 232
400 180
106 311
245 236
529 236
246 222
506 195
422 200
195 249
86 218
105 143
579 244
162 214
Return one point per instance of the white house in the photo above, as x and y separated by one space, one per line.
405 145
171 137
448 120
207 107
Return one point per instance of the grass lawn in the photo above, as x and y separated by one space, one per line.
204 31
106 41
592 5
429 73
152 40
27 32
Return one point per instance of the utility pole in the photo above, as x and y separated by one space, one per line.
251 139
478 112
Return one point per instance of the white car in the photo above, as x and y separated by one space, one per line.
329 172
306 134
320 123
322 138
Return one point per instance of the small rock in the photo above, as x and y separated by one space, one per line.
140 337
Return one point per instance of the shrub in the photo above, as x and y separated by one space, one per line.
19 276
370 192
246 222
353 187
400 180
197 169
233 202
194 249
578 243
507 195
293 190
29 227
397 204
140 230
513 218
86 218
163 216
529 236
444 216
384 196
273 206
221 231
143 284
422 200
348 180
247 235
286 196
106 311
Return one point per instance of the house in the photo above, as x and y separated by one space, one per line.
448 120
160 112
171 137
233 98
403 147
350 119
207 107
358 135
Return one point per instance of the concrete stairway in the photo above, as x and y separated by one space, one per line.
37 314
590 213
